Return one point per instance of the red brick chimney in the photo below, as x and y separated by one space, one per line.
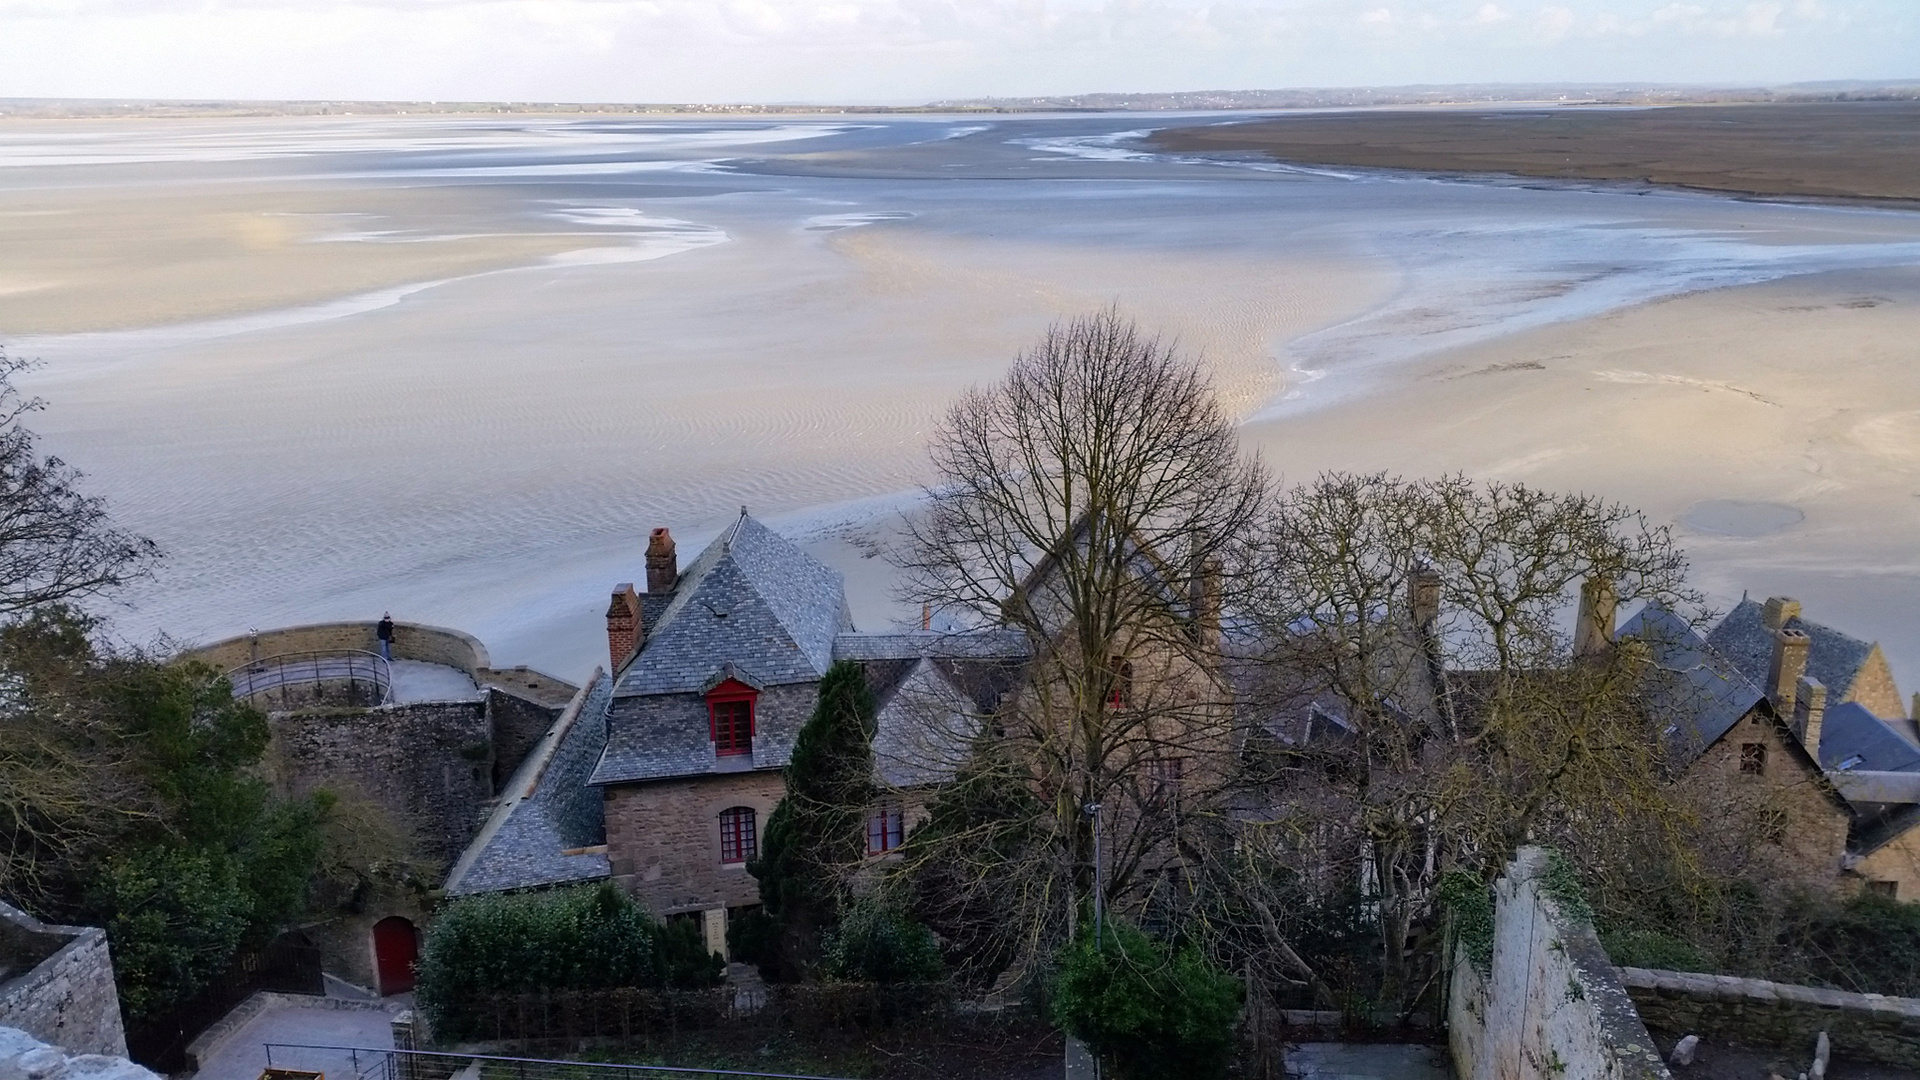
623 624
663 566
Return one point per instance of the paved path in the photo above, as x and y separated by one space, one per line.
1356 1061
244 1055
414 680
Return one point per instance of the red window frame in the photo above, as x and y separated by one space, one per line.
730 718
739 835
886 829
1120 695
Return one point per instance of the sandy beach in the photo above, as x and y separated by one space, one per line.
457 370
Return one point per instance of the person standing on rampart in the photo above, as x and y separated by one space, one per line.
384 631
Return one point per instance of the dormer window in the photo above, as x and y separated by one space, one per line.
730 718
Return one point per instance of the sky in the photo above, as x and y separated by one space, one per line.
912 51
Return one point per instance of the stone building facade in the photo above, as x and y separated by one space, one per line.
56 984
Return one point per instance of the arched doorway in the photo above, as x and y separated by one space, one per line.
396 945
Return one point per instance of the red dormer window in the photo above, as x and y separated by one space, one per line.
730 717
1120 693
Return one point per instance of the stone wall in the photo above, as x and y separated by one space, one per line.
663 839
56 984
1863 1027
1785 822
430 765
411 641
517 724
1550 1007
24 1057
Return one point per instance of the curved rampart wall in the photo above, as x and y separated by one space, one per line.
411 641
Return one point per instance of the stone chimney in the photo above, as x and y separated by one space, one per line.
1593 628
623 624
663 566
1423 596
1203 597
1778 610
1809 709
1789 663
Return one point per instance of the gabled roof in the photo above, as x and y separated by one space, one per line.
752 599
1744 638
546 809
1704 692
925 723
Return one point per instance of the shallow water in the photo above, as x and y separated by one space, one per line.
759 312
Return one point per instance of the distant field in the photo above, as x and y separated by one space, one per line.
1863 149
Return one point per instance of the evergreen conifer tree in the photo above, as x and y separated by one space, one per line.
817 830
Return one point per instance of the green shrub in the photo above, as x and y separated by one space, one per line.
1145 1012
584 937
1469 906
1652 949
877 942
1870 944
753 937
683 958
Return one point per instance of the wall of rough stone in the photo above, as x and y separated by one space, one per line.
430 765
1873 687
517 723
1551 1007
24 1057
1785 823
1863 1027
411 641
663 839
56 984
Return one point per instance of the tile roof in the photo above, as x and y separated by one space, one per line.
1743 638
752 598
1704 691
924 725
547 809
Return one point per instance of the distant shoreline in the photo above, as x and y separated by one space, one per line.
1852 151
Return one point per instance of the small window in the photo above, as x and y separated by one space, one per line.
732 726
886 828
1753 758
737 840
1163 777
1120 694
1888 889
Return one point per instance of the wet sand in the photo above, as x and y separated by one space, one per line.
1775 426
1868 150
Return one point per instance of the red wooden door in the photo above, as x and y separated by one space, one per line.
395 947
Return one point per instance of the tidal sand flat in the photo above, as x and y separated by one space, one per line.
710 313
1859 150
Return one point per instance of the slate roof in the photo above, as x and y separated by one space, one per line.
924 723
1853 738
1704 691
548 808
752 599
1834 657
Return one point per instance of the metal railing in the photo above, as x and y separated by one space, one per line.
354 669
372 1063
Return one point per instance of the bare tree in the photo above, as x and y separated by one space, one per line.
56 544
1426 700
1088 500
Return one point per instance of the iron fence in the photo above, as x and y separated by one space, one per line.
630 1014
290 964
372 1063
361 678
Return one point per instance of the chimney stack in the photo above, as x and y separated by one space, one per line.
1203 598
1778 610
623 625
1423 596
1809 708
663 566
1789 663
1593 628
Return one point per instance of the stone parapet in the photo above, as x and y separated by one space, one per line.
56 984
23 1057
1863 1027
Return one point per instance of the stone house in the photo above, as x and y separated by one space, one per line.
1852 670
662 775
